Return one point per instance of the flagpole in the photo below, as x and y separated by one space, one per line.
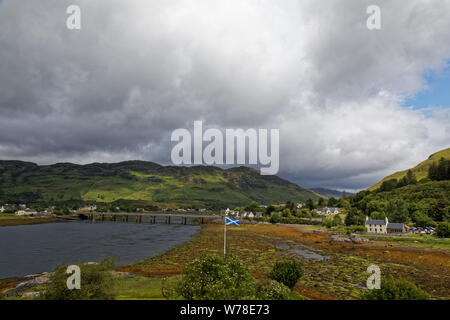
225 236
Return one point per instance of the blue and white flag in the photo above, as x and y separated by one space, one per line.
229 221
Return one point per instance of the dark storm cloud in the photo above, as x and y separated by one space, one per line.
137 70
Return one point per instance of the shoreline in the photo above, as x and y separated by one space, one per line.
30 221
12 283
340 276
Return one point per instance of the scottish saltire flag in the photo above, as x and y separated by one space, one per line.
229 221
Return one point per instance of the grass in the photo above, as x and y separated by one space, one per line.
420 171
7 220
134 181
415 241
139 288
342 276
10 216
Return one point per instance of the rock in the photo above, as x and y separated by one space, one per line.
339 238
30 281
356 238
31 294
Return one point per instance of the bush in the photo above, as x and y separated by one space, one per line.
287 273
273 290
396 290
275 218
334 222
96 283
357 229
443 230
214 277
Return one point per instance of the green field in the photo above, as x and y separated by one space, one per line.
415 241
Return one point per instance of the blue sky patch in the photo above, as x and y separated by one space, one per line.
437 92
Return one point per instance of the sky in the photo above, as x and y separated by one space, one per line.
436 92
353 105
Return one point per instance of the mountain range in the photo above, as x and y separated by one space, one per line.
144 182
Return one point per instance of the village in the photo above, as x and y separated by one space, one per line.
258 213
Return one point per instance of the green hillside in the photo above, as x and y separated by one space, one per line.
146 182
420 171
423 201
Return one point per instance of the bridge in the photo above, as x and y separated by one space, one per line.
148 217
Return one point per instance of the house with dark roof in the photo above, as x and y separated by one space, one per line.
383 226
326 211
376 226
396 228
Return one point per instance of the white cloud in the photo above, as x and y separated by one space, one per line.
139 69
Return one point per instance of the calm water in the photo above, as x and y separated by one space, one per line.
38 248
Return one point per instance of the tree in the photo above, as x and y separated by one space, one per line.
321 202
309 204
422 220
253 207
410 177
286 213
286 272
269 210
433 172
96 283
275 217
213 277
337 220
388 185
396 290
373 206
354 217
290 206
399 213
377 215
440 171
443 230
332 202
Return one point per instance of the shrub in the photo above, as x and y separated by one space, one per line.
286 272
358 229
275 218
334 222
214 277
96 283
443 230
273 290
396 290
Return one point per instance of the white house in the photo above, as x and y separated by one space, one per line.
26 212
383 226
88 208
328 211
